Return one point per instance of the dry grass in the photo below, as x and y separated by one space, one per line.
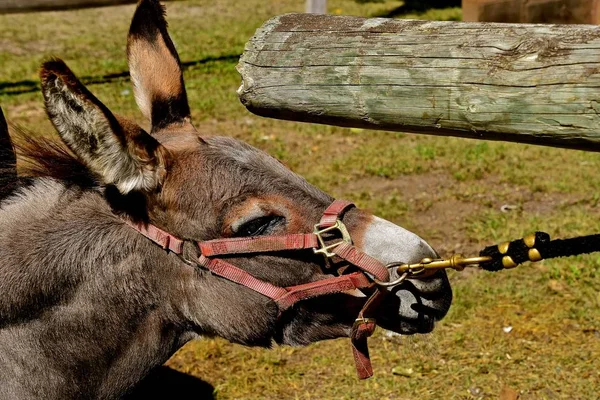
449 190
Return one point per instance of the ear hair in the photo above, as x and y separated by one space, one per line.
155 68
120 152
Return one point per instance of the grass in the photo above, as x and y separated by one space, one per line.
448 190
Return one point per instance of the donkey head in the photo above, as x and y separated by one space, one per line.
200 188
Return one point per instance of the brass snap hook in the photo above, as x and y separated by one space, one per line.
456 262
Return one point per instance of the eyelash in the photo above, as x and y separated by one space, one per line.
259 226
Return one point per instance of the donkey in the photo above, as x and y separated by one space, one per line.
90 303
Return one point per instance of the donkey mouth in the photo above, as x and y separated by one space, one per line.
416 305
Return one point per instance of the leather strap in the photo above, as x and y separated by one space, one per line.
158 236
237 275
362 260
362 329
334 212
259 244
286 297
337 284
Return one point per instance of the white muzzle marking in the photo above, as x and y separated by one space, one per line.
389 243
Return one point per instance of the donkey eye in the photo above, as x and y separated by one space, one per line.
259 226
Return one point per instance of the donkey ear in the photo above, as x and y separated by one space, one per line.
116 150
155 68
8 160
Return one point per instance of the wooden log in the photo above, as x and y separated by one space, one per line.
19 6
524 83
533 11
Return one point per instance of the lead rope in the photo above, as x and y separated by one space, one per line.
536 247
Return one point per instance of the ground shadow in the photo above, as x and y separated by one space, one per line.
29 86
167 383
411 6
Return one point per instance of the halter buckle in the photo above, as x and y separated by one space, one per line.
324 248
363 321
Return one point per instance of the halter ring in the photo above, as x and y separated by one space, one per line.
392 283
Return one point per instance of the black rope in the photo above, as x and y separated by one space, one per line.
536 247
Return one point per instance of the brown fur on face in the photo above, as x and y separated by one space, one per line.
266 205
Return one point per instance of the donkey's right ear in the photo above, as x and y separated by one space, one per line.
7 153
8 160
114 149
156 70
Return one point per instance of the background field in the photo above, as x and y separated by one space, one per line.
450 191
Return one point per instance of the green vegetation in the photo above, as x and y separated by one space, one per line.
448 190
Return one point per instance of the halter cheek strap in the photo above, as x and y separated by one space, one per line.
286 297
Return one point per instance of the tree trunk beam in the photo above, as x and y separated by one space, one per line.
535 84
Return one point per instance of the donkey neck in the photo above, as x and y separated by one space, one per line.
90 303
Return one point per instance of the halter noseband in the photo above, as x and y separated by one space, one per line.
372 270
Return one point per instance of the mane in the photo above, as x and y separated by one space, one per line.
42 157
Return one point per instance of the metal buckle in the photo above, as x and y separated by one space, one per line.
362 321
324 249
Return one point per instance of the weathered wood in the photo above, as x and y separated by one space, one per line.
524 83
533 11
316 6
18 6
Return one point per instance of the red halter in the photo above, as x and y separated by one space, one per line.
285 297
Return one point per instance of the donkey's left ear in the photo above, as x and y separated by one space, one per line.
114 149
156 70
